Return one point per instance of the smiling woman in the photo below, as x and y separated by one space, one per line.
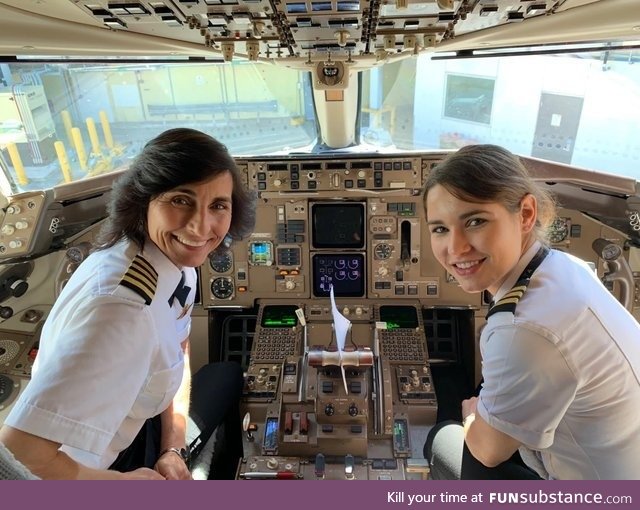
112 386
550 318
482 222
189 222
175 159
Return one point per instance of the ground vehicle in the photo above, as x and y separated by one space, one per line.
344 111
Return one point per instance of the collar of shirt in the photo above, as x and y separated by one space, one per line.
517 271
169 274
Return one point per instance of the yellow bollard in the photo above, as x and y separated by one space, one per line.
78 143
16 161
106 129
65 167
66 120
93 136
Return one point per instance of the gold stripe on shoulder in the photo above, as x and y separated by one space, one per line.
142 278
518 288
139 259
513 294
143 271
504 301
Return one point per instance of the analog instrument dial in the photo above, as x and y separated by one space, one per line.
221 262
222 287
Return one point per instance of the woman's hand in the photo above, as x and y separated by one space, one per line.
469 406
172 467
143 474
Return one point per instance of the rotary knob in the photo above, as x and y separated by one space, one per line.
18 286
329 410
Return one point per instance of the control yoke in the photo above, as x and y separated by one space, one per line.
617 269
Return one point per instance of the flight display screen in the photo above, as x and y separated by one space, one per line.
279 316
398 317
338 225
345 271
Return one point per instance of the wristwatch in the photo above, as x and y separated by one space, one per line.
182 452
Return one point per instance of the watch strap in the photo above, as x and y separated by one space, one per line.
183 453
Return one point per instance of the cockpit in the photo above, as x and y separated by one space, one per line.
335 112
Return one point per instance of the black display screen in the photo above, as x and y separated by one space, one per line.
279 316
337 225
399 316
344 270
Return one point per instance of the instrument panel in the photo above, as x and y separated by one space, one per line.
314 412
353 223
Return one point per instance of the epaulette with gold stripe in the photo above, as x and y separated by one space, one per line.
509 301
141 278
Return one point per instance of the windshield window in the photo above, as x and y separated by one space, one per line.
62 122
579 109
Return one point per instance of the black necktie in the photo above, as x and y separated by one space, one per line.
181 292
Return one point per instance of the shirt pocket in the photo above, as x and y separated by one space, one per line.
158 392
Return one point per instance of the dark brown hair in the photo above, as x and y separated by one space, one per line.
175 157
489 173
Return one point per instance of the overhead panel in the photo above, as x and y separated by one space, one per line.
315 30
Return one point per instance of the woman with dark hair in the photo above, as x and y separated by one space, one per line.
111 387
560 355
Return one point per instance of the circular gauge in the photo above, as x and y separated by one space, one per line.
341 274
222 287
221 262
559 230
382 251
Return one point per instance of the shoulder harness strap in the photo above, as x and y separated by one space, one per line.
141 278
510 299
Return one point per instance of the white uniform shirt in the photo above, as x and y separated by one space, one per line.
562 375
107 360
